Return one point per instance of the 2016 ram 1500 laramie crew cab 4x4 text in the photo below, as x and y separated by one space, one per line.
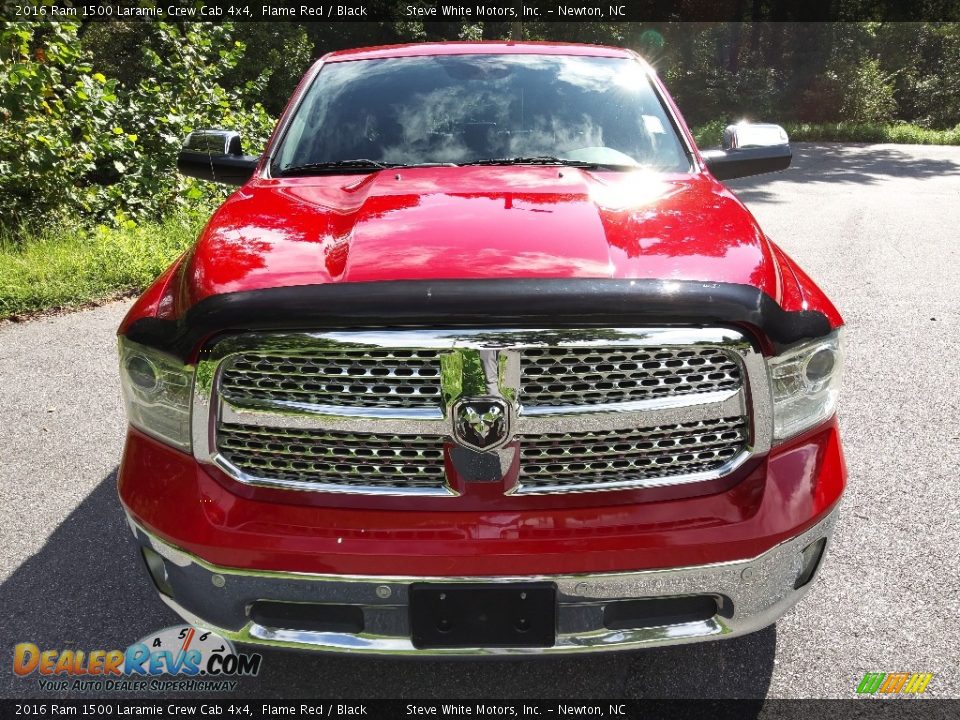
482 358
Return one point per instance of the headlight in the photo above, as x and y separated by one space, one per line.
157 390
806 383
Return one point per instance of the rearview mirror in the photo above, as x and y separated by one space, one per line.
216 155
749 149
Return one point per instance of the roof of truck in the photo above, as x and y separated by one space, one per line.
499 47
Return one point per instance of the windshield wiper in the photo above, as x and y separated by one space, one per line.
547 160
525 160
319 168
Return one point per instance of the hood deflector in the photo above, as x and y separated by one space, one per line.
550 303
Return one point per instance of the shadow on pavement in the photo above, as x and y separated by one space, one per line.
843 164
85 589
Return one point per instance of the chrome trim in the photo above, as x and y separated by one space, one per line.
611 486
760 590
248 479
396 421
213 142
562 376
658 411
584 448
381 380
306 460
484 362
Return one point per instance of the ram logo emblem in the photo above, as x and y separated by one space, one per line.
481 423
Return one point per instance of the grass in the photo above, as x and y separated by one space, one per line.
708 135
71 267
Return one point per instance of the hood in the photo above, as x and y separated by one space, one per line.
478 222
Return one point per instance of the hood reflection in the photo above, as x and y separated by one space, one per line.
479 222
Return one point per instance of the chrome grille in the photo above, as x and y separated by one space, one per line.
387 377
607 459
598 375
369 411
321 457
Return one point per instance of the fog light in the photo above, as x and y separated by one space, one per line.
811 559
158 571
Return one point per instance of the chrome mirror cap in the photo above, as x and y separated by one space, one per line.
214 142
747 135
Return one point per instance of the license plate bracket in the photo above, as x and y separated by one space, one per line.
459 615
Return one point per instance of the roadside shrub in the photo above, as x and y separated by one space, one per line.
751 93
59 128
183 92
709 135
856 94
74 142
869 96
872 133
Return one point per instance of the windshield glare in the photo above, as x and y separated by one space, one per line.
468 108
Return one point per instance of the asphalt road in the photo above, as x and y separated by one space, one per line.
877 226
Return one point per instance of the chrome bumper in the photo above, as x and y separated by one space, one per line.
752 594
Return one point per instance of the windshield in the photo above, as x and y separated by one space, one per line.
474 108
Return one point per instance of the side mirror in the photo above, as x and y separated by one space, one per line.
750 149
216 155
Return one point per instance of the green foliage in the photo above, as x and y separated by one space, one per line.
70 265
276 56
709 135
926 57
183 93
58 120
751 94
905 133
74 141
859 94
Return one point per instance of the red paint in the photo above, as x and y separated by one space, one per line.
167 492
477 222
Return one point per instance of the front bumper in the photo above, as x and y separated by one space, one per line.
750 595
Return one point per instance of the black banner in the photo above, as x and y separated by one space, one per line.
917 709
527 11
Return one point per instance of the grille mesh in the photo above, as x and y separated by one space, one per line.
597 375
373 378
563 378
613 456
329 457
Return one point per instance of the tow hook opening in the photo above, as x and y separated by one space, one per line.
658 612
308 617
811 556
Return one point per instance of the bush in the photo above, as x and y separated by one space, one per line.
709 135
75 142
183 93
59 128
752 94
904 133
856 94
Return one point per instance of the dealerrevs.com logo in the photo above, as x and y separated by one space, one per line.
179 658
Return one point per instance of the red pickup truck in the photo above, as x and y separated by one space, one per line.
482 358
